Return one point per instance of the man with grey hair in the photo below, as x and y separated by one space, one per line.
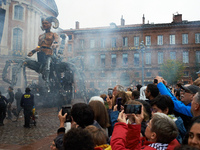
195 105
117 88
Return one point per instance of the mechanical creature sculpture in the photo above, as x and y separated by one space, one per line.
54 71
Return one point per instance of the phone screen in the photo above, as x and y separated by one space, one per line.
110 93
132 109
119 103
67 109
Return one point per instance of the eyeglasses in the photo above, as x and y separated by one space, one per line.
148 124
154 110
185 91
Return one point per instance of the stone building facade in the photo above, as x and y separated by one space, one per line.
21 31
112 55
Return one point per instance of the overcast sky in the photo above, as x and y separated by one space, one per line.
98 13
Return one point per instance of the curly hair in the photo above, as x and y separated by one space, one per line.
78 139
82 114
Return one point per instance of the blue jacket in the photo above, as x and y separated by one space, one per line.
178 105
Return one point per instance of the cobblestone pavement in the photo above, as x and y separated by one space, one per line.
13 136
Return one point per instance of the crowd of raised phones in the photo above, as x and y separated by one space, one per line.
152 117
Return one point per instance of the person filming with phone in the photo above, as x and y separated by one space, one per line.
161 133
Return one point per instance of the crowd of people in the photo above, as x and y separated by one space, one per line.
168 119
23 101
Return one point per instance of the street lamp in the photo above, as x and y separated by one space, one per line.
142 48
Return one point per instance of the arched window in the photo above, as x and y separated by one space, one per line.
19 12
17 42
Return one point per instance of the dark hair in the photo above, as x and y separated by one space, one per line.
147 106
136 94
129 89
78 139
82 114
138 87
10 87
163 102
179 85
27 89
18 90
153 89
100 113
185 147
177 93
192 122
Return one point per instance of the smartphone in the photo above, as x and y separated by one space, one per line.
119 103
110 92
132 109
67 109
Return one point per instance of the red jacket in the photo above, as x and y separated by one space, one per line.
127 137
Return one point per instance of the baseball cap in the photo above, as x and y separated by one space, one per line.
191 89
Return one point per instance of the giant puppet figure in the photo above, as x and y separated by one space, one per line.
47 43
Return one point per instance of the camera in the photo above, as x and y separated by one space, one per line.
132 109
119 103
155 81
67 109
110 92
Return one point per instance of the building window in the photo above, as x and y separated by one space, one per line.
82 44
69 47
113 74
114 83
136 60
92 60
17 42
125 59
70 37
102 75
103 60
184 38
125 41
160 57
102 85
160 39
197 38
198 56
136 40
148 74
148 58
173 55
137 74
103 43
186 73
148 40
172 39
113 59
91 84
92 75
19 12
185 57
114 42
92 43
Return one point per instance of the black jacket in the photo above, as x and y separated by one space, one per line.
27 100
3 101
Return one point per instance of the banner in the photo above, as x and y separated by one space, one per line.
2 19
